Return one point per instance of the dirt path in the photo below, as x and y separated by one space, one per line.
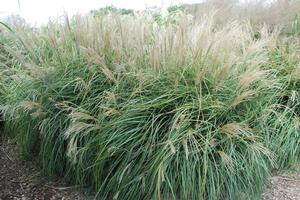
25 182
285 186
21 182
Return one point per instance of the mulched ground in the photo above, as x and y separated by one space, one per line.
20 181
24 182
284 186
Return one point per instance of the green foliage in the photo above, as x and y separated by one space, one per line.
175 8
111 9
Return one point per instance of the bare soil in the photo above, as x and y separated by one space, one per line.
23 181
284 186
19 181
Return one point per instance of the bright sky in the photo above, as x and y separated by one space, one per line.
39 11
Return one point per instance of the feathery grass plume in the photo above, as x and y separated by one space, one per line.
272 13
243 97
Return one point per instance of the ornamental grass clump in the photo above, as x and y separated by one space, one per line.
280 121
141 110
